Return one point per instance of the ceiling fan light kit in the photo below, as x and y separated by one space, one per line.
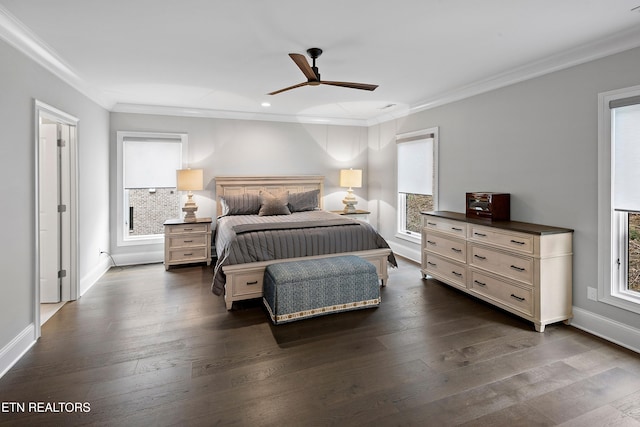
313 75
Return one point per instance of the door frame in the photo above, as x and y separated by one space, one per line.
52 113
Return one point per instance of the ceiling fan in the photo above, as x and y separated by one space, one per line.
313 76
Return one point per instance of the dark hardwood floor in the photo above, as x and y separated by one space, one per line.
145 347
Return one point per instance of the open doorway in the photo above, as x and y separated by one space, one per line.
56 215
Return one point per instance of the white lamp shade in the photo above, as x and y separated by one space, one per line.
189 179
351 178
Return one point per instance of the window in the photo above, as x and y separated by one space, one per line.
417 180
147 196
619 199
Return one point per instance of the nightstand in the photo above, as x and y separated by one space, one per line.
187 242
358 214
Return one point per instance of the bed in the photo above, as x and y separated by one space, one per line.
254 230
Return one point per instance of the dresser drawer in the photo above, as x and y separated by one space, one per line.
512 266
187 255
509 240
246 283
450 248
455 228
186 241
450 271
517 297
187 228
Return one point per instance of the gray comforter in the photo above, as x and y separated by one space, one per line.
242 239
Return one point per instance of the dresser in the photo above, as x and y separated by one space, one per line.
187 242
520 267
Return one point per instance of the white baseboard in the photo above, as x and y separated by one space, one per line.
14 350
405 251
135 258
94 275
611 330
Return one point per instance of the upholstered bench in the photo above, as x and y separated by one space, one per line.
299 289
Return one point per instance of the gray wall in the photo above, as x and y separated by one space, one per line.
22 81
537 140
247 147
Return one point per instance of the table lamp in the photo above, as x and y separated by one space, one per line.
189 180
350 178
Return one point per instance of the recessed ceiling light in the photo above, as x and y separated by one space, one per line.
266 104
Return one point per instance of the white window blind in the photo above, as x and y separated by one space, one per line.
415 165
626 151
151 164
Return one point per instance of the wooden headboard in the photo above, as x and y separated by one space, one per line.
232 185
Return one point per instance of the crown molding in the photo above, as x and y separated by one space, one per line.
16 34
237 115
616 43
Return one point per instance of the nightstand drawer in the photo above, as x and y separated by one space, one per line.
517 297
188 228
186 241
188 255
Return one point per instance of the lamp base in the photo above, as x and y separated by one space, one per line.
350 203
190 209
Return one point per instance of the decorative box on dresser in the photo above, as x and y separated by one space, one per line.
521 267
187 242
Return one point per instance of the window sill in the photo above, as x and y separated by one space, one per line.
413 238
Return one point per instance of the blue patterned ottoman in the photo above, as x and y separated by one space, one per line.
295 290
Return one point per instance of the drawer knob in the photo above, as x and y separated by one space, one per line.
188 241
188 229
517 297
431 264
456 250
431 223
477 282
480 257
255 282
517 242
456 229
457 274
480 234
431 242
189 254
515 267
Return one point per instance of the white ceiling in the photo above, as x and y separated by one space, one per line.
221 58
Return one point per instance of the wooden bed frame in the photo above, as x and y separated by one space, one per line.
244 281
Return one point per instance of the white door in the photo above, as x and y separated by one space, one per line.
65 134
49 221
55 224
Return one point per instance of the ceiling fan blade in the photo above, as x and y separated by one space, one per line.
288 88
304 66
362 86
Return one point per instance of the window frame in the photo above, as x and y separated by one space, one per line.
612 225
122 238
401 231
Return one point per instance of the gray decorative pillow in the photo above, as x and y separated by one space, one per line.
240 204
274 204
304 201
